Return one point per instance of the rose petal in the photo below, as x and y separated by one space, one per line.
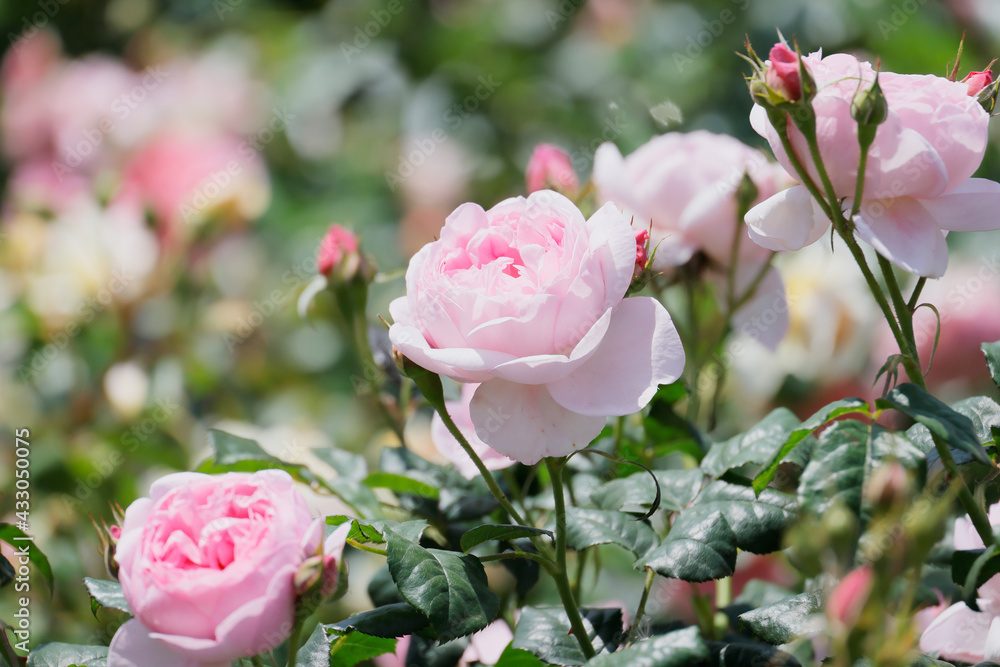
524 423
957 634
640 351
612 238
903 232
973 206
789 220
132 646
992 650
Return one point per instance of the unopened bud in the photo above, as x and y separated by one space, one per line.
870 110
340 257
849 597
888 486
641 252
309 575
550 166
782 76
977 81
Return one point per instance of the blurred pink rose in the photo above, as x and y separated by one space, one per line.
783 74
337 245
917 179
448 446
959 633
527 299
850 595
685 184
485 647
207 566
550 167
923 618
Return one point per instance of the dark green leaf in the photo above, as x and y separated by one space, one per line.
349 649
680 648
586 528
992 352
7 572
68 655
449 588
401 484
490 532
818 419
704 538
363 530
952 427
635 493
106 594
784 621
316 651
17 538
746 653
231 450
758 445
546 633
962 563
517 657
391 620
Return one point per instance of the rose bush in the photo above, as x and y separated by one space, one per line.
528 299
207 565
917 180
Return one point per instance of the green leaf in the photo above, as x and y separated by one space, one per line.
401 484
962 563
784 621
635 493
391 620
518 657
748 653
18 539
675 649
363 530
107 594
819 418
451 589
68 655
703 541
952 427
992 352
844 457
546 633
316 651
490 532
351 648
758 445
231 450
7 572
586 528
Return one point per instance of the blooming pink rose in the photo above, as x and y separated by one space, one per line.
550 166
917 178
528 300
207 565
959 633
783 73
685 184
448 446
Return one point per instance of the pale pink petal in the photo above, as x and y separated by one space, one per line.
133 646
789 220
973 206
334 545
957 634
168 483
992 651
640 352
903 232
524 423
611 236
449 447
486 646
609 174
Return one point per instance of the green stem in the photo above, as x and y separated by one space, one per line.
641 610
723 598
581 564
365 547
293 642
555 468
359 327
972 508
908 346
508 555
256 661
911 305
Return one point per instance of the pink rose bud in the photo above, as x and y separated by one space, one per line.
641 257
550 166
115 532
338 250
977 81
850 595
783 74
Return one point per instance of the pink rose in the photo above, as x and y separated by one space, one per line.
959 633
685 184
917 179
550 166
338 245
783 73
850 595
448 446
207 564
528 300
976 81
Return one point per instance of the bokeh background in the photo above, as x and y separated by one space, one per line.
169 168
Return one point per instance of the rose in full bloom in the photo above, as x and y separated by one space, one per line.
959 633
528 300
550 166
917 183
448 446
207 565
